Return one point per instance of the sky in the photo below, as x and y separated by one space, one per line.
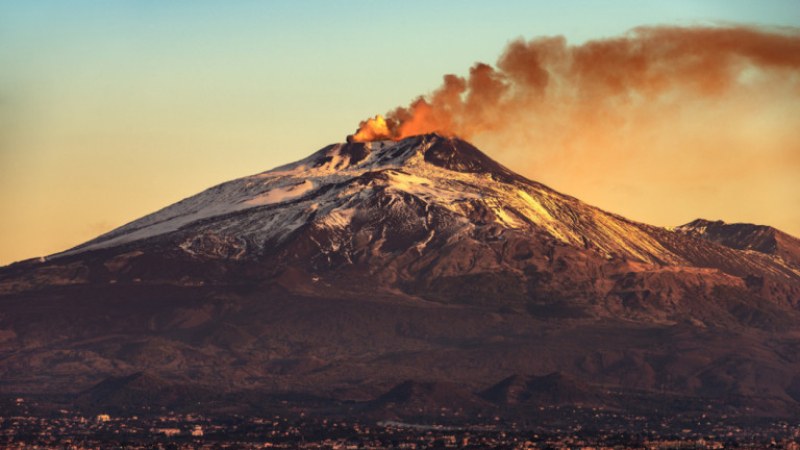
110 110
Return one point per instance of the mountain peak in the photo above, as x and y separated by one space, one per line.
428 188
461 156
746 236
743 236
450 153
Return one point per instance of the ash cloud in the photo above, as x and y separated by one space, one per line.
643 65
625 121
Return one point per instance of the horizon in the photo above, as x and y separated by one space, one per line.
121 110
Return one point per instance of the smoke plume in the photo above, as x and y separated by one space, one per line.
646 110
535 76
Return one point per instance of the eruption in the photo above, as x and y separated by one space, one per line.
546 76
374 129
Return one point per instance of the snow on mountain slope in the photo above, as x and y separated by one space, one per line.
339 182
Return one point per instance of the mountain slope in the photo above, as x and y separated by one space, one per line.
344 183
366 266
421 210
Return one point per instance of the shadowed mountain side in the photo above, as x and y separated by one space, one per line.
140 389
552 389
414 400
394 277
745 236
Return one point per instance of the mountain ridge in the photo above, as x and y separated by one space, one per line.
746 236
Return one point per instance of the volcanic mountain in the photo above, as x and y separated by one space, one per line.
366 268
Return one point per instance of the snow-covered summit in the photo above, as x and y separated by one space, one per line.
452 154
429 183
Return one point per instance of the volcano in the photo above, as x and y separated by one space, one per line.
418 262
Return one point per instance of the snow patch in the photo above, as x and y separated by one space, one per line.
535 206
282 194
339 218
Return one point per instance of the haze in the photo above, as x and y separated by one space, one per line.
109 111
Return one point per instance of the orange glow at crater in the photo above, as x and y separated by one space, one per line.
373 129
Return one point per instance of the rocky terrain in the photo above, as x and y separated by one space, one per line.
407 279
